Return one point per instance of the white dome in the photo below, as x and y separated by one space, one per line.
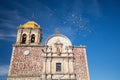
58 39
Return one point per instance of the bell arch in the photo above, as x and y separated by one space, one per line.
24 37
32 38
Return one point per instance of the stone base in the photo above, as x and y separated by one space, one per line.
25 78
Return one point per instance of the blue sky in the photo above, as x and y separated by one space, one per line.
94 23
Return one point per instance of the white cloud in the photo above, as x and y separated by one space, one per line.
10 19
4 70
9 37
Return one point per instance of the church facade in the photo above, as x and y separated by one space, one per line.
57 59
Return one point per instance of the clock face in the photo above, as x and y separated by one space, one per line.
26 52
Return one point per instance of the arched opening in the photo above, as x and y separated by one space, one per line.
24 36
32 38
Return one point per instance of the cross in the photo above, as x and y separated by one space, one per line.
57 31
32 18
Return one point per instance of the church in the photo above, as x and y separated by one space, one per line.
57 59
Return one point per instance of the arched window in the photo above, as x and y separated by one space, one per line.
24 36
32 38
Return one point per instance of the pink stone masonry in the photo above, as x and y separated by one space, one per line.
26 65
80 65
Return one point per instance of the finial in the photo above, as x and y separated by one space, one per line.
57 31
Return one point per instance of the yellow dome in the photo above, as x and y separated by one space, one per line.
30 24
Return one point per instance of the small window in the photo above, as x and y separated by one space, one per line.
24 38
32 38
58 67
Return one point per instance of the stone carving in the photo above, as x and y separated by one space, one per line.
58 46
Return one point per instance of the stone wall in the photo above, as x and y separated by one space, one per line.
26 65
26 78
80 63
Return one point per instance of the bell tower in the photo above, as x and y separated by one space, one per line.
29 34
26 59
